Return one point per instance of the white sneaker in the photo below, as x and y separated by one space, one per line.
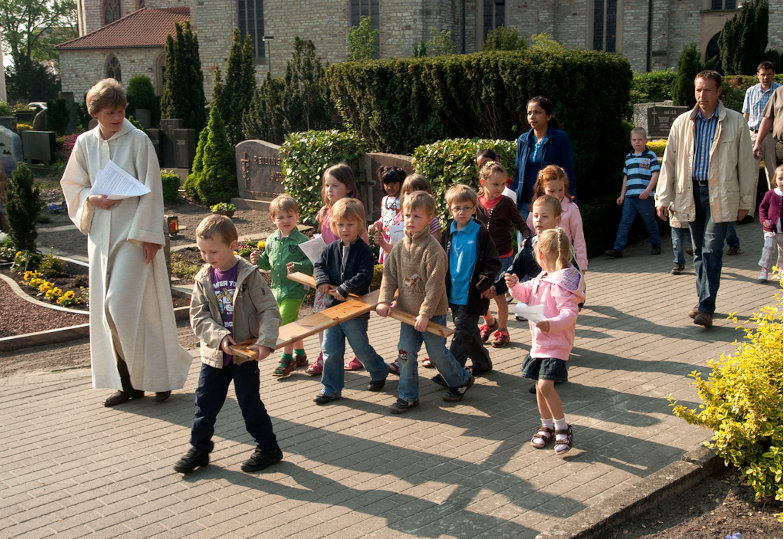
763 276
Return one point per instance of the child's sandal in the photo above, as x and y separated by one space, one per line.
486 330
542 437
564 444
283 369
500 338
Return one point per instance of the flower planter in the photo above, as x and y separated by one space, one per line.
227 213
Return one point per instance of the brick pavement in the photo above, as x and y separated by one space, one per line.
351 469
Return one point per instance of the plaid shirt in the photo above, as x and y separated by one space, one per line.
754 103
704 131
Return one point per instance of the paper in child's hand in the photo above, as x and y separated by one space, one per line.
534 313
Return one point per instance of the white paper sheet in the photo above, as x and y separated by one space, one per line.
313 248
534 313
396 233
117 184
511 194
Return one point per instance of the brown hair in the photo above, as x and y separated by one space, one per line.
551 173
343 173
548 200
420 200
283 203
105 94
487 171
709 74
215 225
554 241
461 193
414 182
347 209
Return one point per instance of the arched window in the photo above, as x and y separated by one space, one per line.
111 11
113 69
159 70
493 16
712 50
251 21
605 22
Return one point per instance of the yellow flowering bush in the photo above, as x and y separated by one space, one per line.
261 245
53 294
45 287
742 403
67 299
657 146
30 275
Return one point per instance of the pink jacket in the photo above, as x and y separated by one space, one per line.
572 224
560 293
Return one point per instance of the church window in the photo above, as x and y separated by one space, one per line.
723 4
364 8
605 21
111 11
113 69
251 22
493 15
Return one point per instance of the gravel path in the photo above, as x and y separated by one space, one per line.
18 316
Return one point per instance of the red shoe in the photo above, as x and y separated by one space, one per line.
500 338
485 331
353 365
394 367
317 367
300 361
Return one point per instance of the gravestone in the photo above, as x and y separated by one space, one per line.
39 122
9 122
177 144
73 112
38 146
657 118
10 144
144 117
259 174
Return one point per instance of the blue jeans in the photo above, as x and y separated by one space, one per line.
632 205
679 239
410 342
732 236
211 394
334 348
707 237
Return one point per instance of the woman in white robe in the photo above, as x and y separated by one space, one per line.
133 335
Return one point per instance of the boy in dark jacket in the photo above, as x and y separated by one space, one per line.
346 267
472 264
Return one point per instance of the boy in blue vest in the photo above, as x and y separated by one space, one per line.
640 173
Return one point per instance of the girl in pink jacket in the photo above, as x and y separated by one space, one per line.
558 289
552 180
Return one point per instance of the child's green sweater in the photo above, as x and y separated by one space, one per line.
276 254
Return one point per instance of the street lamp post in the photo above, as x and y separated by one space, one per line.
3 96
267 40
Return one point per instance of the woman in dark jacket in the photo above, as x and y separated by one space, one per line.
543 145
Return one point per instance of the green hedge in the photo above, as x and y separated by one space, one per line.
170 184
305 157
652 86
451 161
734 89
399 104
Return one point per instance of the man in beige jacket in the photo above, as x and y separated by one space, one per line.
707 178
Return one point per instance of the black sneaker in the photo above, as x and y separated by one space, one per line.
677 269
321 398
192 459
456 394
612 253
402 406
656 250
438 379
377 385
260 459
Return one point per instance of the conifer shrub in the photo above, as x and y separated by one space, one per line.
305 157
170 184
198 165
742 403
23 208
217 181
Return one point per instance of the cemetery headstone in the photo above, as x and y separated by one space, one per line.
259 174
10 144
39 122
183 147
38 146
656 118
9 122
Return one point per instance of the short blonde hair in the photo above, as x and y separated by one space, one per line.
215 225
638 131
107 93
347 209
461 193
420 200
282 204
548 200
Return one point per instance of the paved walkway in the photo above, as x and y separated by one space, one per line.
351 469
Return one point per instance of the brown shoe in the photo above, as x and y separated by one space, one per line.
704 319
732 251
119 397
161 396
694 311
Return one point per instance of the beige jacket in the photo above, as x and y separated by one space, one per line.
255 313
731 172
416 269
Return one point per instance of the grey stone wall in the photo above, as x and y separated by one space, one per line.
80 69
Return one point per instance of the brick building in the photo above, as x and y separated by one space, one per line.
125 37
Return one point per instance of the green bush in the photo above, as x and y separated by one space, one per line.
689 65
217 180
399 104
734 89
600 221
23 207
742 403
305 157
653 86
57 115
451 161
170 183
51 266
5 109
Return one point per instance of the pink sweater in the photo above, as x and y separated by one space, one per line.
572 224
560 293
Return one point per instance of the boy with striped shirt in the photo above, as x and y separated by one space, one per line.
640 173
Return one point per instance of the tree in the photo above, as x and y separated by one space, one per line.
24 206
504 39
217 181
743 39
545 42
265 118
31 28
440 43
234 96
363 41
689 66
183 90
305 104
27 81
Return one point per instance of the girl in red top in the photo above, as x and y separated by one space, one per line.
501 214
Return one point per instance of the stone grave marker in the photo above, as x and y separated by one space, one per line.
9 122
259 174
656 118
38 146
10 144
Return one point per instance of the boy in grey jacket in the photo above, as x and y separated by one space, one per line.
231 302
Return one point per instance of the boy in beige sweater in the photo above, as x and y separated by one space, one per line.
416 270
